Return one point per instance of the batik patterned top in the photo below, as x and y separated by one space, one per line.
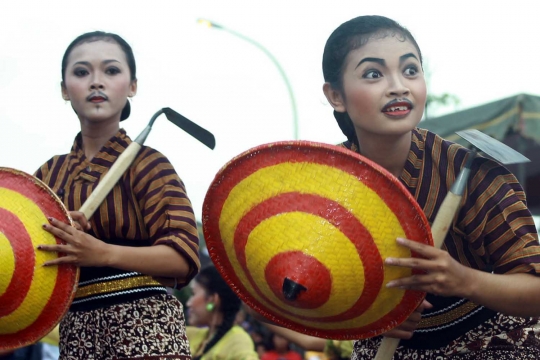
493 232
148 206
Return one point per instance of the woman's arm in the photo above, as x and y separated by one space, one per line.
83 249
306 342
511 294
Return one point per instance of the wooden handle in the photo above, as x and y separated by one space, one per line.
387 348
109 180
444 218
439 229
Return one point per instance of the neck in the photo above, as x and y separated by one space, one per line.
217 320
95 135
391 152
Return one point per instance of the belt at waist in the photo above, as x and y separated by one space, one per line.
113 288
450 318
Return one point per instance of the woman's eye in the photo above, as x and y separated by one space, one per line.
372 74
411 71
80 72
113 71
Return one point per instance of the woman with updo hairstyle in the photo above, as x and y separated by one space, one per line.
483 286
212 309
142 238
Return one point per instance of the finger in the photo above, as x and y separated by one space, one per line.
413 263
425 305
54 248
61 260
57 232
424 250
412 282
80 218
408 325
414 318
77 226
61 225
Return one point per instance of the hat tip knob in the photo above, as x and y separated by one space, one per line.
291 289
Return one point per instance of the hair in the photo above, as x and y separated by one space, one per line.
104 36
350 36
212 282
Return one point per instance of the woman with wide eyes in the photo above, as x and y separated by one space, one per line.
143 236
483 286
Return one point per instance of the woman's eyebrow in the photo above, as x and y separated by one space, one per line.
371 59
109 61
402 58
87 63
380 61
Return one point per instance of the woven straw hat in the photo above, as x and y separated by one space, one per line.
33 298
300 231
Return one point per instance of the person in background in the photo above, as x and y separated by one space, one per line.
281 350
212 311
332 349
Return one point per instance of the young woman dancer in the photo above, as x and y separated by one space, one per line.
144 230
484 284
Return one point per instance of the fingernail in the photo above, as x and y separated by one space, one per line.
391 284
390 261
50 219
44 226
401 240
40 247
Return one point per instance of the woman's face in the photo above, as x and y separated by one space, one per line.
98 80
384 91
198 314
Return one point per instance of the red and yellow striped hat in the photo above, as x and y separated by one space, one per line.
33 298
300 231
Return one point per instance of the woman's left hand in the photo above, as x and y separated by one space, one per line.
443 274
81 249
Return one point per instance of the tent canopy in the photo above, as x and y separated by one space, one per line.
514 121
518 114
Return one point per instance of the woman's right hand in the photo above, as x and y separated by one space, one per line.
406 329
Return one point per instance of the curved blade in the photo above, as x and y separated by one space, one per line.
191 128
493 147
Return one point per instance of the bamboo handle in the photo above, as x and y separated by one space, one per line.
444 218
387 348
109 180
439 229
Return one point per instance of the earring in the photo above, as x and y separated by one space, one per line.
210 307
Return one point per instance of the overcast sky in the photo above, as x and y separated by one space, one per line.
476 50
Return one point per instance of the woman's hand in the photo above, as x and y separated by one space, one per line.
405 330
443 274
81 249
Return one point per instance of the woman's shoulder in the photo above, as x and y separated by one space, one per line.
150 161
238 332
196 334
238 344
432 141
51 165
